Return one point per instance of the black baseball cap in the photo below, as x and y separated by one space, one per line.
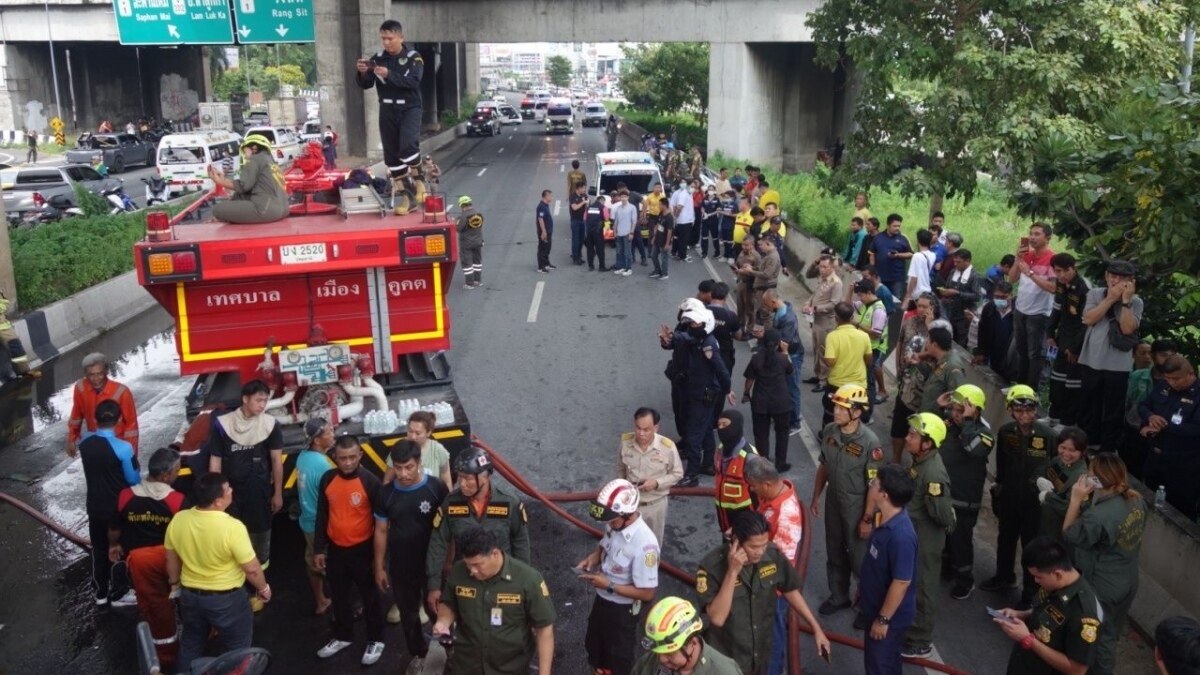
1121 268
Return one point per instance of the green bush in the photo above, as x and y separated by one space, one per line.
689 129
55 260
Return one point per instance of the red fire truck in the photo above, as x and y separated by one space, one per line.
339 315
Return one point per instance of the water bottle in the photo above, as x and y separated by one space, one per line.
367 418
1052 352
1160 497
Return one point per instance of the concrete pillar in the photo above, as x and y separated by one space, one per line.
448 86
371 14
429 85
471 69
338 48
770 103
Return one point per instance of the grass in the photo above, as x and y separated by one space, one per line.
989 225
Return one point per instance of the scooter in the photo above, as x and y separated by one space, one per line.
121 202
156 190
54 210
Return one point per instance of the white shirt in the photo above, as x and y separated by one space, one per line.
630 559
687 214
922 265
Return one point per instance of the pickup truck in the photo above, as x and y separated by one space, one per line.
117 151
34 185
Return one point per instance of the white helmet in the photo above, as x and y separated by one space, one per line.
691 304
703 316
618 498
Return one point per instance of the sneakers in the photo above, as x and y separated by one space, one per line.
101 600
543 270
689 480
619 270
687 259
664 277
553 267
996 584
393 615
961 592
916 652
626 272
830 607
372 653
792 431
655 275
332 647
127 600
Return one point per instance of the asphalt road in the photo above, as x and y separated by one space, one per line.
550 368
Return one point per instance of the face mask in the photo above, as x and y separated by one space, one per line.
1001 304
697 332
781 311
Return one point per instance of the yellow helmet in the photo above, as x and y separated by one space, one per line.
850 395
971 394
464 200
669 624
1021 394
930 426
257 139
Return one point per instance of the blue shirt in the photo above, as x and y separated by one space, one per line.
310 466
891 555
543 212
939 252
854 247
885 295
890 269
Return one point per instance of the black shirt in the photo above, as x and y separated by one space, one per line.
727 323
578 207
409 512
769 372
666 223
403 82
543 212
143 520
104 474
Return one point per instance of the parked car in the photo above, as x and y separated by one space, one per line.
117 151
32 187
485 122
284 142
258 118
594 115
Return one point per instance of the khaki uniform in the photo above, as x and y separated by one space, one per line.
659 462
712 662
932 514
1068 621
504 515
1106 540
748 632
827 295
259 194
947 375
766 276
494 618
850 462
745 287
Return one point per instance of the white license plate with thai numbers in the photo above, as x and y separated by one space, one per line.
292 254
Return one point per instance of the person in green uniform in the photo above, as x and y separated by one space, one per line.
500 609
965 453
737 584
1023 445
932 515
1060 474
850 456
948 369
259 193
1058 633
1106 538
673 644
474 503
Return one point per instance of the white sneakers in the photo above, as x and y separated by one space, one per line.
127 600
332 647
372 654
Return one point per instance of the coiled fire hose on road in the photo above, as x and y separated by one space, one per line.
795 625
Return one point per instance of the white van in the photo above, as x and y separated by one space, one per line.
284 142
637 170
183 159
560 117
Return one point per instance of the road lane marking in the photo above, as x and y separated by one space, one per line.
557 206
712 271
501 150
536 302
481 171
562 168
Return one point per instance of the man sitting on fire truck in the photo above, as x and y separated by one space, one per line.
259 194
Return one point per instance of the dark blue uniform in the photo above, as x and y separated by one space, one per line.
891 554
399 107
1174 457
706 380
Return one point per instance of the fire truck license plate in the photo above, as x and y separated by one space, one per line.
290 254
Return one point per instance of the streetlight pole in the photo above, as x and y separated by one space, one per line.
53 62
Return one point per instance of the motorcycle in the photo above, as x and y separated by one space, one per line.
156 190
121 202
53 210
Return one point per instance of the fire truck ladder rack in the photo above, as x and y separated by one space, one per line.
361 200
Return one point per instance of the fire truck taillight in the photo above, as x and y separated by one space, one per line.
179 264
425 246
435 244
414 247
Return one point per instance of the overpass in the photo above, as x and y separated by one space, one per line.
767 98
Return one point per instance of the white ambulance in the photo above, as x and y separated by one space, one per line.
183 159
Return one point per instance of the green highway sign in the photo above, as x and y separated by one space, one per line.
270 21
174 22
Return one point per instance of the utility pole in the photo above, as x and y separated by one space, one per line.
53 62
1189 50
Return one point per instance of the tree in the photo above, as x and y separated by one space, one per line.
268 66
1133 196
667 78
950 88
558 69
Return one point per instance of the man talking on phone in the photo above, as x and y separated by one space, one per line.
395 73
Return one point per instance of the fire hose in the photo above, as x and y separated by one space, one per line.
45 520
795 624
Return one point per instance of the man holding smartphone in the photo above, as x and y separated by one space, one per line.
395 72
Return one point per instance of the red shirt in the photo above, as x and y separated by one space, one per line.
785 520
83 411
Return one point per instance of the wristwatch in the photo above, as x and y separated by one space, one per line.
612 588
883 620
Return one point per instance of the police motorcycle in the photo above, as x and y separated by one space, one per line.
156 190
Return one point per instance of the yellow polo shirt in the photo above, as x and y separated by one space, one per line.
848 345
770 196
741 225
213 546
651 201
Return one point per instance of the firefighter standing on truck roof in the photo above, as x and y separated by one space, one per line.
476 502
396 72
470 243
